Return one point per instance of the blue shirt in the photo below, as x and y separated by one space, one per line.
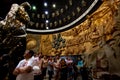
80 63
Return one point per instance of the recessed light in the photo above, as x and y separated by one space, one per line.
54 5
47 21
46 12
45 4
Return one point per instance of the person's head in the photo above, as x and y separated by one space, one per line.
50 58
45 57
68 58
62 61
28 54
57 56
40 55
55 59
80 58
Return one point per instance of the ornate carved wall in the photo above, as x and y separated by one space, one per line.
98 38
88 36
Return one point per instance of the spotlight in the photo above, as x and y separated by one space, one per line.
34 7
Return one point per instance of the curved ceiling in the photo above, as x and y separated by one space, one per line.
58 15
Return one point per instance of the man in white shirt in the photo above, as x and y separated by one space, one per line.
24 69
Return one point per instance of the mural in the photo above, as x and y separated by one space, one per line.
97 38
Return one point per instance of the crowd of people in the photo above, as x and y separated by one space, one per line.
37 66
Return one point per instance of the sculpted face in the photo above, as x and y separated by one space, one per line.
22 15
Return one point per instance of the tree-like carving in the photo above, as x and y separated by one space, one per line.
58 41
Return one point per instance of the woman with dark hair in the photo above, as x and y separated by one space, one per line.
44 65
50 68
63 70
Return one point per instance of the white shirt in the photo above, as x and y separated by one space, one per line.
37 66
22 64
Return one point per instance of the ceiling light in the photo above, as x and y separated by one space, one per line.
45 4
33 7
47 21
47 27
46 12
54 6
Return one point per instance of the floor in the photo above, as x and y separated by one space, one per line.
46 78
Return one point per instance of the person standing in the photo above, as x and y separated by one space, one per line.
24 69
80 64
44 66
37 69
63 70
69 63
50 68
56 66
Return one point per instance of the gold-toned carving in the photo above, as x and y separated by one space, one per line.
60 22
68 17
31 23
43 16
53 14
64 20
41 25
51 24
87 36
57 13
31 43
33 15
78 9
38 15
70 2
55 23
66 7
83 3
37 24
61 10
73 14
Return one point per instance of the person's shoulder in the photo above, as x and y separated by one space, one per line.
32 58
42 59
23 60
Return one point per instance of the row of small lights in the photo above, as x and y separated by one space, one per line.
46 12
